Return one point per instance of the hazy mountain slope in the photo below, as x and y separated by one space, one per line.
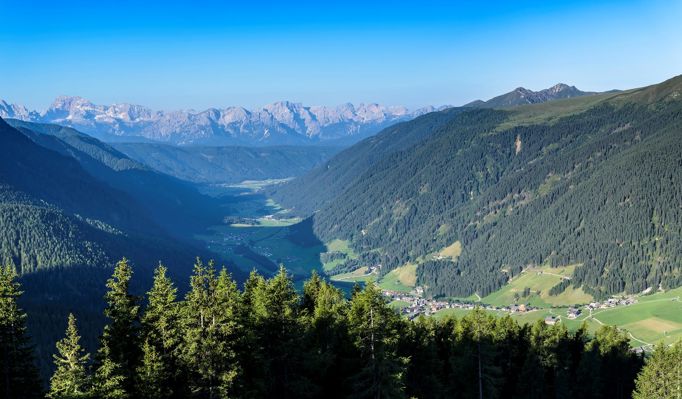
227 164
598 186
520 96
173 204
56 214
64 228
58 180
274 124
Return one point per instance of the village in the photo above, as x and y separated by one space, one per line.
418 305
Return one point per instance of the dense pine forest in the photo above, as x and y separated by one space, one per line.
590 181
268 340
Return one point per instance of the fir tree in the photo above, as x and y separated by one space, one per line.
70 379
18 375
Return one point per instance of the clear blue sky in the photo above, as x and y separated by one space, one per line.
199 54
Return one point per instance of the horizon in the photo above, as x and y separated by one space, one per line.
430 54
260 107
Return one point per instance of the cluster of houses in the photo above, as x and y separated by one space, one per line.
418 305
612 303
574 312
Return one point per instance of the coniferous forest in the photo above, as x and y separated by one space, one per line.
269 340
592 182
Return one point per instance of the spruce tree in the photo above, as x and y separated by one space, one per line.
70 379
661 376
120 335
161 334
249 350
327 349
18 374
152 374
376 330
279 335
211 330
310 290
109 379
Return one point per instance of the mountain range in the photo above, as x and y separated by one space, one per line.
279 123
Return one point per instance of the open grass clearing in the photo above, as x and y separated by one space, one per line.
358 275
452 251
539 280
403 278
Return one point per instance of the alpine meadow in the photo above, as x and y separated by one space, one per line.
341 200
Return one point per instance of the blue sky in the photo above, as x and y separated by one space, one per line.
200 54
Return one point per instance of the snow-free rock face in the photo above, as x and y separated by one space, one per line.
521 95
281 122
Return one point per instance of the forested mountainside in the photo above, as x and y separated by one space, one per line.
228 164
590 181
311 191
64 225
159 195
268 340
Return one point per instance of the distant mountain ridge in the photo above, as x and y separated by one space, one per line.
278 123
521 96
281 122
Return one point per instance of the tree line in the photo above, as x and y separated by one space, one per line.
269 340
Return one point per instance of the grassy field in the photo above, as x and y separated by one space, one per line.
268 238
272 243
539 280
653 318
398 304
342 246
269 222
358 275
452 251
255 185
552 110
402 279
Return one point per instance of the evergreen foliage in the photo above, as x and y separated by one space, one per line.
661 376
598 188
71 379
18 375
267 340
121 334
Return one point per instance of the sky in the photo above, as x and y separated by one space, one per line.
199 54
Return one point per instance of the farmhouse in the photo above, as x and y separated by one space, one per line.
573 313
